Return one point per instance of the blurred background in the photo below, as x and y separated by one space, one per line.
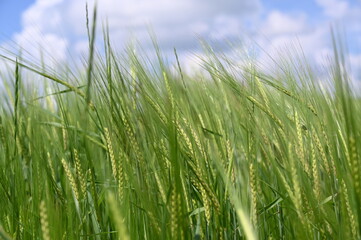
263 30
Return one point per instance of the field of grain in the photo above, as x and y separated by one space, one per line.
138 149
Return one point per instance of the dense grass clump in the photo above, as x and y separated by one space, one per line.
135 150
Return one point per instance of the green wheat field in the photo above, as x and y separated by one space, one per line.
134 148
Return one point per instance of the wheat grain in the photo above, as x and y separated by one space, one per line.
156 107
118 218
121 178
253 187
113 161
169 90
350 214
79 173
206 205
300 147
70 178
195 137
321 150
51 167
315 174
65 137
355 170
262 91
175 214
44 221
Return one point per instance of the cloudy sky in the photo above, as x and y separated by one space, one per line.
58 26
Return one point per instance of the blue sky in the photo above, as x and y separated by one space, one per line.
10 16
58 26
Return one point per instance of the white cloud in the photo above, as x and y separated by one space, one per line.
225 27
278 23
39 36
81 46
288 35
355 73
60 24
334 8
44 15
36 43
355 63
